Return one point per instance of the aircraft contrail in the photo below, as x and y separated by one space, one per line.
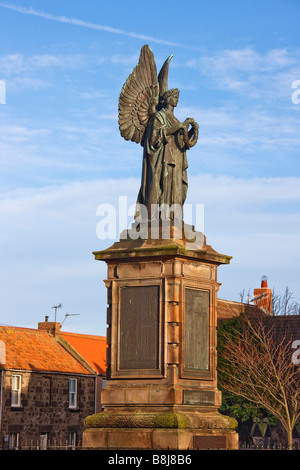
86 24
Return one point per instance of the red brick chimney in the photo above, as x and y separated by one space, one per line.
52 327
263 296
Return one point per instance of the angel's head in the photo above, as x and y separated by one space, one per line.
170 97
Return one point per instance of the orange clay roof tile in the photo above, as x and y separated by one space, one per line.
29 349
92 348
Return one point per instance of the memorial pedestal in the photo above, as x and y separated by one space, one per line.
161 389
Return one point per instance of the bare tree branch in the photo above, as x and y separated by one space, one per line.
256 364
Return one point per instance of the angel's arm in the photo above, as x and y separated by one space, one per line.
174 129
161 133
181 125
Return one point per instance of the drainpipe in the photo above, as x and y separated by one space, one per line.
96 391
2 361
1 395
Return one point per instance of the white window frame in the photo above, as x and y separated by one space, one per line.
72 436
13 440
43 441
72 393
16 385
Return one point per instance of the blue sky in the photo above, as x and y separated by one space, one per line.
61 155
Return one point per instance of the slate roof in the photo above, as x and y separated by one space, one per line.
227 309
285 326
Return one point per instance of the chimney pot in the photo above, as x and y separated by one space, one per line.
263 296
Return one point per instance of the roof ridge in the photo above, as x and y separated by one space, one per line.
20 327
38 330
232 301
76 355
82 335
34 349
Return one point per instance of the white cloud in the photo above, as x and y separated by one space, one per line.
48 235
248 60
65 61
262 190
21 133
234 127
265 75
15 64
12 64
19 84
91 95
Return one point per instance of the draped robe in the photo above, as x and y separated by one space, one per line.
164 175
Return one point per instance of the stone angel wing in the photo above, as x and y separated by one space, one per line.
140 95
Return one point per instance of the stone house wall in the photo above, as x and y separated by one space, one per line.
44 407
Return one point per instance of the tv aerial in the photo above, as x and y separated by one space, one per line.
56 307
69 315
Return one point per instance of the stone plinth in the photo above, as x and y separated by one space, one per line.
161 390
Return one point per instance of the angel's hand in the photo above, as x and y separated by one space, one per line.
195 124
186 124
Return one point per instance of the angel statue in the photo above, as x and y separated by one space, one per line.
146 116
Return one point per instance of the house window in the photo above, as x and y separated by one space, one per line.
16 390
72 393
13 441
43 441
72 440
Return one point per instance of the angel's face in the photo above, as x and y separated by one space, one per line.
173 99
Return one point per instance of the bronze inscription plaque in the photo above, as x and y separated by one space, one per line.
196 350
139 328
209 442
198 397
